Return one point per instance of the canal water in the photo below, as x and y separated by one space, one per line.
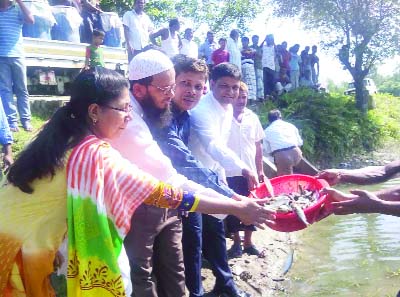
348 256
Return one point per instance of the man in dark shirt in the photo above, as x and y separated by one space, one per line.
191 75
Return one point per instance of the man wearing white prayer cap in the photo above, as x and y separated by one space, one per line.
154 244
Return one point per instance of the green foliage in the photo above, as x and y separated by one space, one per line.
218 15
22 137
331 126
388 84
362 33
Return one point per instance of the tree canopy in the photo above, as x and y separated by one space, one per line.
363 32
218 15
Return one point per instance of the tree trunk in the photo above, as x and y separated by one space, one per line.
361 96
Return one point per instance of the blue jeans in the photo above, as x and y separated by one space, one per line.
13 79
198 228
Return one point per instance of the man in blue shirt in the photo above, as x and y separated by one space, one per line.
6 139
191 75
12 64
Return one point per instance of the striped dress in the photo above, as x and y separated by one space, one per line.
102 190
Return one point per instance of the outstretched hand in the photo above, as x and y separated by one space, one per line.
359 201
252 212
332 176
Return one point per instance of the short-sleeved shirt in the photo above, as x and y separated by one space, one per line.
206 50
11 21
219 56
95 56
243 138
140 26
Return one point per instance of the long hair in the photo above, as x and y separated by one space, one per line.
66 128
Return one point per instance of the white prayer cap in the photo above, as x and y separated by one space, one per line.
148 63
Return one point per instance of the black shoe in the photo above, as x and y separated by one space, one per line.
238 293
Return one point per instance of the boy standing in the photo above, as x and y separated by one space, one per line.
94 52
220 55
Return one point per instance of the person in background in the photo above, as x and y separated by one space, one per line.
282 141
94 52
233 48
220 55
258 67
295 62
386 201
189 47
170 39
207 48
305 66
268 63
137 29
248 71
6 140
12 63
246 141
285 59
314 65
90 13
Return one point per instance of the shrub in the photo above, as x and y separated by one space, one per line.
331 127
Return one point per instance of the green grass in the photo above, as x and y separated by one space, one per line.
22 137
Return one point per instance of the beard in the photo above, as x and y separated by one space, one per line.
154 116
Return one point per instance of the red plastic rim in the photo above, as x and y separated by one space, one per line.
285 184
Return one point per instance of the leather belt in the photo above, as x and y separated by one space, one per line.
283 149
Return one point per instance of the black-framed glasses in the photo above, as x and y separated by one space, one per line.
166 90
126 109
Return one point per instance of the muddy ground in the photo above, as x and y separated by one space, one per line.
260 276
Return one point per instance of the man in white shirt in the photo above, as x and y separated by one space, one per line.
235 56
246 141
211 122
137 29
282 141
268 64
189 47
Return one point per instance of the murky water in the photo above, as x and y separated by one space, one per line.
354 255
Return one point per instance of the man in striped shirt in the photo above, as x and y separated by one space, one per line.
12 65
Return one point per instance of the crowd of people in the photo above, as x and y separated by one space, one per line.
124 190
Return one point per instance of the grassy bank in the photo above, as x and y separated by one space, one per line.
332 128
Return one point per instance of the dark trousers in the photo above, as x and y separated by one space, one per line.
269 81
91 21
204 233
154 249
240 186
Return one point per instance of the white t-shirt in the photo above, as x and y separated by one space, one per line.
210 129
189 48
235 56
268 57
279 135
243 138
140 26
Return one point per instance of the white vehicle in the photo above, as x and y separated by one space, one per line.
369 86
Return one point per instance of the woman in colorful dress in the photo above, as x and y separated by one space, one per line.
248 70
69 186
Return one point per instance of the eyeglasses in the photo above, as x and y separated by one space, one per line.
125 109
166 90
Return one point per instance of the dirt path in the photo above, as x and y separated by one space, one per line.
259 276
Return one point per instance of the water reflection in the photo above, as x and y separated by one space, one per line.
355 255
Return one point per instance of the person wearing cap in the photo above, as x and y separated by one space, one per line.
153 244
282 141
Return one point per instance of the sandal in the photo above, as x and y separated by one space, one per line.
251 250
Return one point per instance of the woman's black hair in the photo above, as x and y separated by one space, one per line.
66 128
